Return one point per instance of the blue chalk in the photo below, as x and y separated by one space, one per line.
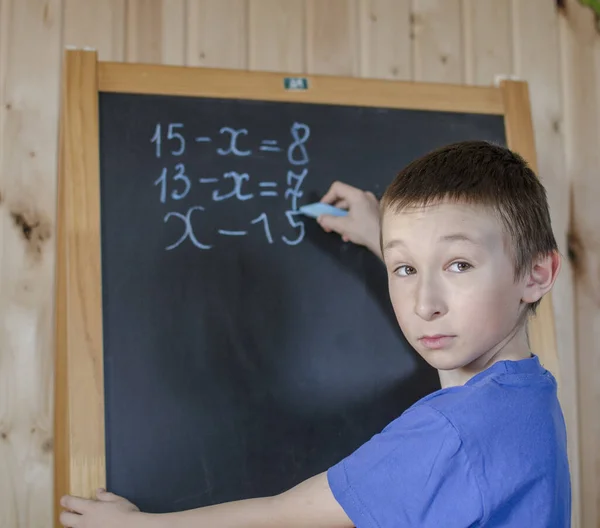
316 209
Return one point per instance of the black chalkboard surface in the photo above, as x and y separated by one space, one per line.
245 350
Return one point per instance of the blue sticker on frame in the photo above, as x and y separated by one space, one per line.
295 83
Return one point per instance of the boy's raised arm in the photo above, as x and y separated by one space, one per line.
362 224
309 504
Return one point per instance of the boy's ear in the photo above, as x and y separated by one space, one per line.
541 278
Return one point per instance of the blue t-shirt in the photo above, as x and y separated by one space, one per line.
488 453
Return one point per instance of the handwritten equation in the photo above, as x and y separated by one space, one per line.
174 184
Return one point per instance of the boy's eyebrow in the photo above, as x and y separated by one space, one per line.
460 237
393 243
454 237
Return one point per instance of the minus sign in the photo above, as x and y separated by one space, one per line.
203 139
233 233
270 149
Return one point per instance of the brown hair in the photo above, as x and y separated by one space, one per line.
478 172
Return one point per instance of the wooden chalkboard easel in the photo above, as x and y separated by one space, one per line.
79 389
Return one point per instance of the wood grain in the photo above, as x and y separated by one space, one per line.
487 41
85 460
215 82
519 136
536 59
173 35
62 448
580 76
276 35
97 25
144 31
30 35
217 33
332 43
437 45
240 34
386 39
155 31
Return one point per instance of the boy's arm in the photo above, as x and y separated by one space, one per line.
310 504
362 224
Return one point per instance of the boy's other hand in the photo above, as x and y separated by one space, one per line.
108 510
362 224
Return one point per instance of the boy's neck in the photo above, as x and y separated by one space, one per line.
514 348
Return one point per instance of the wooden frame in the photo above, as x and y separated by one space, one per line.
79 410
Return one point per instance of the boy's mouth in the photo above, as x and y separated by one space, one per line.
437 341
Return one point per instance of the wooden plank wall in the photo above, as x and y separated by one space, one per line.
557 50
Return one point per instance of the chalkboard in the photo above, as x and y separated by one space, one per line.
246 350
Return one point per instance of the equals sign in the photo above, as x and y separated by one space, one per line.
268 185
269 145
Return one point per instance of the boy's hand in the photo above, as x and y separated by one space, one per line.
361 225
309 504
108 511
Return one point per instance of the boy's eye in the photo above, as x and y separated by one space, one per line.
459 266
404 271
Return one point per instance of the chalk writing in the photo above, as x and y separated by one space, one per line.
172 134
269 145
237 186
299 144
188 231
268 185
263 218
238 180
294 182
233 138
232 233
176 194
291 216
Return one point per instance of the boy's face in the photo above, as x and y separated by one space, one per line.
452 282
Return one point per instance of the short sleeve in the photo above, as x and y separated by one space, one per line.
414 473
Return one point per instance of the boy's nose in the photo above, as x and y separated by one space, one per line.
429 303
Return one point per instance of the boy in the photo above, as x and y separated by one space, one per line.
466 238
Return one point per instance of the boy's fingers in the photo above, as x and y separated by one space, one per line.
332 223
101 494
338 191
106 496
342 204
76 504
70 520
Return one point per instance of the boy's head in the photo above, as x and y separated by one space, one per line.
468 244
